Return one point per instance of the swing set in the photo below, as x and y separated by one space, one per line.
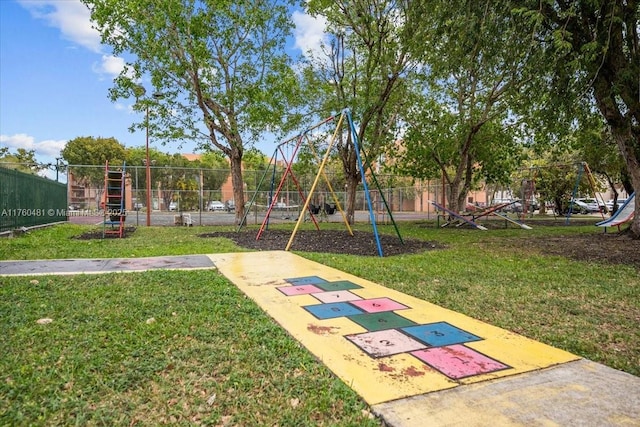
288 152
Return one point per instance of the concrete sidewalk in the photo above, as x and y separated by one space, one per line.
414 363
102 265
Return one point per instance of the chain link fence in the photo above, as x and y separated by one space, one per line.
28 200
194 189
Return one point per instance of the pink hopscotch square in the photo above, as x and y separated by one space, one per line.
337 296
458 361
384 343
299 290
377 305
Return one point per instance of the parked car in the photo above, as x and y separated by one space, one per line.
138 206
591 205
280 205
230 205
513 205
620 202
502 201
216 205
173 206
576 206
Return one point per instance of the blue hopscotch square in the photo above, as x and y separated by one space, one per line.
440 334
332 310
339 285
307 280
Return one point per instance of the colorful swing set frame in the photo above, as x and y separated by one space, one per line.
342 119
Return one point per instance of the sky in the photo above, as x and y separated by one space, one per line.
55 76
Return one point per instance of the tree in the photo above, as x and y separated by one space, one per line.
220 66
477 69
554 174
458 147
23 160
592 50
87 156
175 179
368 63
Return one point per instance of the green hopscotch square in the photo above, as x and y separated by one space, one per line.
340 285
380 321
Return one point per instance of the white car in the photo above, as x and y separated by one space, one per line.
215 205
590 205
173 206
620 202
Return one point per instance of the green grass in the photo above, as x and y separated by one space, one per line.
161 347
59 242
186 347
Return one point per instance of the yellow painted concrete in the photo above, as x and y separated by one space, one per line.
258 274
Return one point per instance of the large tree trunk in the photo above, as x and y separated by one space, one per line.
627 140
237 183
352 186
461 183
457 195
352 175
626 144
453 196
614 27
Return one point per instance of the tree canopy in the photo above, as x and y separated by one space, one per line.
22 159
92 151
220 67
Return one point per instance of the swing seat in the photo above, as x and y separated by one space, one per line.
328 209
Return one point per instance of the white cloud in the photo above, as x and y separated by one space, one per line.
50 147
19 140
71 17
110 64
47 148
73 20
309 33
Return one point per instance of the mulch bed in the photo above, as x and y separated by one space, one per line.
328 241
97 234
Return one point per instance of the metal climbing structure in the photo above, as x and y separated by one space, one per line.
115 213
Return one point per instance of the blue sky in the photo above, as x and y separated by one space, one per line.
55 76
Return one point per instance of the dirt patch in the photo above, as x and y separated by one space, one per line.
609 248
328 241
612 247
97 234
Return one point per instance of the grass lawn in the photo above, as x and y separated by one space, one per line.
187 348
